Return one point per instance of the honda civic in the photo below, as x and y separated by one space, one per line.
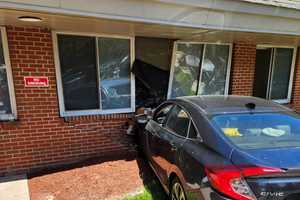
225 148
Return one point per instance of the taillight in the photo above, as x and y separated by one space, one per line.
230 180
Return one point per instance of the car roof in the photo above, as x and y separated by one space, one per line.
222 104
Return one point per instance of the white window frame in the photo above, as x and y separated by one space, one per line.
10 83
62 110
227 83
291 80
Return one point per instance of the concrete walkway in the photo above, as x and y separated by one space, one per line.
14 188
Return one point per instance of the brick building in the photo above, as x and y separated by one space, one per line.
66 88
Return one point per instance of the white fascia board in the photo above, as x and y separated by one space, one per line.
239 6
225 15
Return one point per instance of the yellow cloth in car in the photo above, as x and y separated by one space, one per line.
232 132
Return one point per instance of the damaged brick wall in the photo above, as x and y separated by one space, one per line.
39 137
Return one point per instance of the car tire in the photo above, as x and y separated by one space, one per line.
176 190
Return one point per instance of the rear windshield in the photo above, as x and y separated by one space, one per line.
255 131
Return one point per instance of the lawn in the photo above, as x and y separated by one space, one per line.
152 191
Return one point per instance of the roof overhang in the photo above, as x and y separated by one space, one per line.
209 20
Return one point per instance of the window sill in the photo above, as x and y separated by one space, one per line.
96 112
8 118
282 101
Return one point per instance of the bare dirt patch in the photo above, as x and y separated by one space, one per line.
107 180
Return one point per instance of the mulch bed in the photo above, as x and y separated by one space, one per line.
96 181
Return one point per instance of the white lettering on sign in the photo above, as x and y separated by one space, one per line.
36 81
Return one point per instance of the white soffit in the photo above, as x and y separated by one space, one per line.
90 25
224 15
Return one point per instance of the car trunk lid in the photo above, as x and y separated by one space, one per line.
284 185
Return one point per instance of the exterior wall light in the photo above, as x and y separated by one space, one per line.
29 19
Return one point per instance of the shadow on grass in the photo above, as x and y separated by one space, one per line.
153 190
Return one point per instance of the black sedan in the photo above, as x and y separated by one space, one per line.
225 147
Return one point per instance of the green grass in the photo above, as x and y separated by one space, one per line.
152 191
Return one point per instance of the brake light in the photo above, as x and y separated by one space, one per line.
230 180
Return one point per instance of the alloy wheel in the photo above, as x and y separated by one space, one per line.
177 192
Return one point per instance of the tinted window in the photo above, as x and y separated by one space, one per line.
178 121
192 131
266 130
161 115
77 56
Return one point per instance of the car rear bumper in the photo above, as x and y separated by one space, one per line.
205 194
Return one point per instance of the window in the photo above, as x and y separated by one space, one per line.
94 74
178 121
161 116
192 131
7 98
274 73
257 131
114 59
77 55
199 69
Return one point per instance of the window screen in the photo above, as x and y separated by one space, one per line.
114 60
78 66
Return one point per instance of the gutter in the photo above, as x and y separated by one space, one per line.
240 6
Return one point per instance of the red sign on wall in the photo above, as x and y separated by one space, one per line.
36 81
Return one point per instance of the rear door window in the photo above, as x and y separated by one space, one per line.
192 131
178 121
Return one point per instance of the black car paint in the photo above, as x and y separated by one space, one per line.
169 154
172 155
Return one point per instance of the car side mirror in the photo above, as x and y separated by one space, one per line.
161 120
143 118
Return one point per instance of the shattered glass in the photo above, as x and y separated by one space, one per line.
214 70
186 69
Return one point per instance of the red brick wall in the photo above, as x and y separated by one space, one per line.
242 68
295 101
40 137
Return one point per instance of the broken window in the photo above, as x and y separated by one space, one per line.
199 69
152 69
